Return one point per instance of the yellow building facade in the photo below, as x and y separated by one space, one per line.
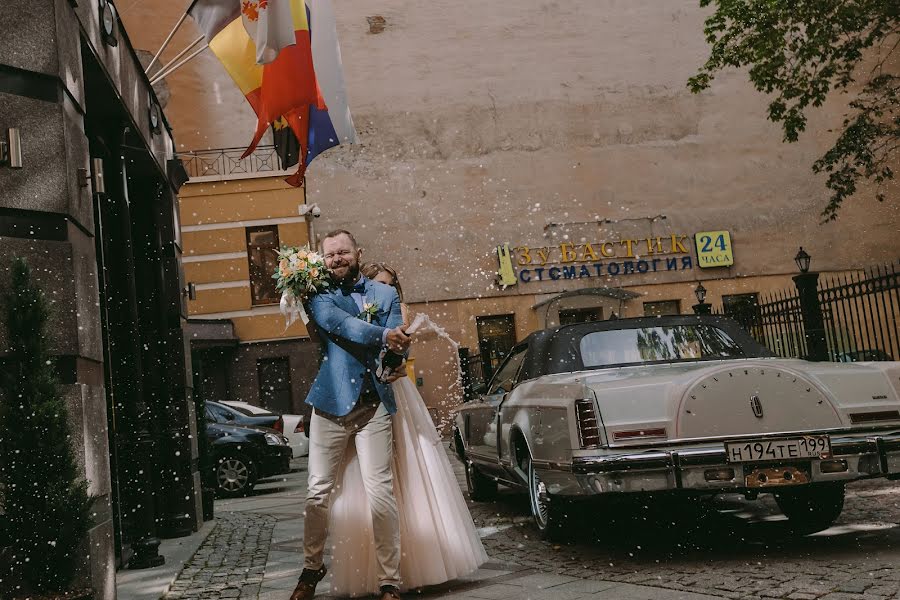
231 227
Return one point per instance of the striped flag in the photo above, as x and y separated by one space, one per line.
284 87
326 128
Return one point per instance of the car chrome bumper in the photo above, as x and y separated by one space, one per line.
865 456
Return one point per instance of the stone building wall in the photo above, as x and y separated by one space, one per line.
47 216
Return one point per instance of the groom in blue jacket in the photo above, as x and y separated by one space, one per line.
355 322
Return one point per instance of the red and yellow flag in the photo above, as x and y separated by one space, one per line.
284 87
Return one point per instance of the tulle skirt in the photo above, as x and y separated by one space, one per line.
438 539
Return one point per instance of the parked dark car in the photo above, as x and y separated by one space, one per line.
239 455
235 415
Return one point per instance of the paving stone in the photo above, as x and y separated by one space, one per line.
219 569
498 592
584 585
854 587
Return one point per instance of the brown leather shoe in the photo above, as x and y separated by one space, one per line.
306 587
389 592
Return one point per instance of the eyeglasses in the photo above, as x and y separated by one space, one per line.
341 253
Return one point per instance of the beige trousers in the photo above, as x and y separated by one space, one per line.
369 427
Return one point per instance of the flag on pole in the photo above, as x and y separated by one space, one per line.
270 25
329 127
326 53
284 87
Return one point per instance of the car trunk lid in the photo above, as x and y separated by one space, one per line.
710 399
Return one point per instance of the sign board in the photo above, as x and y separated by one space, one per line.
713 249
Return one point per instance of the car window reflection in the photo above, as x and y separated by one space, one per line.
652 344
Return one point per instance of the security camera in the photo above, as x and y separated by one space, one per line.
310 209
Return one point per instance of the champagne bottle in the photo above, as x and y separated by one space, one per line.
390 363
392 360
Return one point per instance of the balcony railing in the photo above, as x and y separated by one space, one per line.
224 163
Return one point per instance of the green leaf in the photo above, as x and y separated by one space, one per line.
800 52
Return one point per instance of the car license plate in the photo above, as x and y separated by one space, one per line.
810 446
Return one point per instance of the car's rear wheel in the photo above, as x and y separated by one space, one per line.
481 487
813 507
553 516
235 475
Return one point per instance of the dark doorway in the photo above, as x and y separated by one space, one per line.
143 349
211 369
496 337
129 439
275 384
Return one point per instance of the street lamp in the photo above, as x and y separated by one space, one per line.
802 259
700 292
701 308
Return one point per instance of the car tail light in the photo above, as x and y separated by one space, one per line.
279 425
833 466
639 434
588 424
299 427
874 417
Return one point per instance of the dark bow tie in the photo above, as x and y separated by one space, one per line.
359 288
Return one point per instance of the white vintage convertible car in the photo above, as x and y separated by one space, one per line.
690 404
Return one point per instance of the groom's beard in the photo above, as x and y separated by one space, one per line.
351 275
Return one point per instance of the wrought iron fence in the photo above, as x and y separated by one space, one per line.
777 323
859 313
226 162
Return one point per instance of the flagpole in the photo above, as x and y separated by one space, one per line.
165 44
180 54
165 73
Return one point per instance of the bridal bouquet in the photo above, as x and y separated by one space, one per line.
301 272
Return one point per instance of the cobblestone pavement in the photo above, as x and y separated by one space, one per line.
728 547
647 550
231 562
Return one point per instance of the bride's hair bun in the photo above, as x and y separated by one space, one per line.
371 271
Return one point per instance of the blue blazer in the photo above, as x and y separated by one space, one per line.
351 347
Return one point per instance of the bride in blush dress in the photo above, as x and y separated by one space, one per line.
438 540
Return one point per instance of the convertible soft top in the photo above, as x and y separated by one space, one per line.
557 350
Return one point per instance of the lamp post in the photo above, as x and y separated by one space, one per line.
701 308
803 259
811 310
